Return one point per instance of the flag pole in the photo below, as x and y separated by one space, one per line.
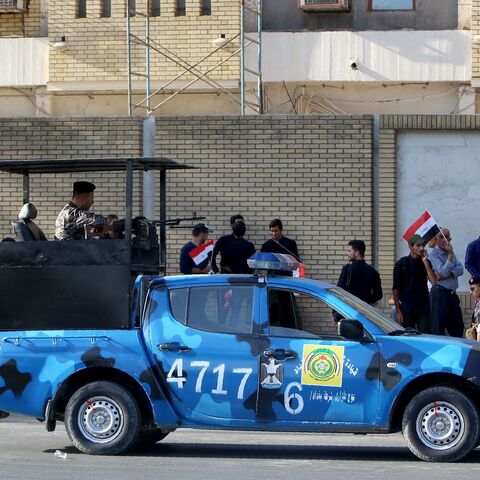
286 249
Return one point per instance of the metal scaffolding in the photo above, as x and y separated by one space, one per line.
249 38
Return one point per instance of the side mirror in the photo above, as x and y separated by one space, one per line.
350 329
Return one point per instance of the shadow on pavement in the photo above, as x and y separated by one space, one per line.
282 452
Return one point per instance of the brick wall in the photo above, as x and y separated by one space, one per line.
313 172
65 138
475 27
98 46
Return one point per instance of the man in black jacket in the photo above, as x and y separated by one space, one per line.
238 251
222 243
280 244
410 289
358 277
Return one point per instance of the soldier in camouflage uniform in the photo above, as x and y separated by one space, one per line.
74 217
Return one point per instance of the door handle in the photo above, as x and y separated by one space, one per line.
173 347
280 354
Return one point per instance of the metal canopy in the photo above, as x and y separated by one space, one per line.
99 164
102 164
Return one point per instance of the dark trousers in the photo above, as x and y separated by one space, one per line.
445 312
420 321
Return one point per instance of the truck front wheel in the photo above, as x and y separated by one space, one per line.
102 418
441 424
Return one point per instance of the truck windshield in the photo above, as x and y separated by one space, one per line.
380 320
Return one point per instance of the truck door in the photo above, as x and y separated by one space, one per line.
312 377
205 342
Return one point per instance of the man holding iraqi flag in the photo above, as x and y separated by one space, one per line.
446 313
195 255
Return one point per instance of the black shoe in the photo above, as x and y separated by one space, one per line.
3 414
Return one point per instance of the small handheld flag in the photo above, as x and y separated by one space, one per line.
300 271
425 226
200 253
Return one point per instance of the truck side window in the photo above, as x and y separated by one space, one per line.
178 304
221 309
297 314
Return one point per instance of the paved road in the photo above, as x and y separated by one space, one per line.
27 452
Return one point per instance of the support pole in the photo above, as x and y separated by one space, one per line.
129 206
149 176
26 188
163 218
129 59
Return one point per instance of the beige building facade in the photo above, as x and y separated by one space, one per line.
80 59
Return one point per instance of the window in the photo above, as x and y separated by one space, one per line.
324 5
381 321
106 8
132 7
205 7
221 309
297 314
154 8
81 8
392 4
13 6
180 11
178 304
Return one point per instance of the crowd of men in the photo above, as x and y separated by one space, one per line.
424 283
233 248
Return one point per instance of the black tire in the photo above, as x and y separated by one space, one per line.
150 437
441 424
102 418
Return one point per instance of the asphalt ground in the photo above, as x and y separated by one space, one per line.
27 452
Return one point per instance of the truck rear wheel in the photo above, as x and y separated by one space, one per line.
102 418
441 424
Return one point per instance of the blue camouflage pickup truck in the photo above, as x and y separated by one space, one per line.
92 335
245 352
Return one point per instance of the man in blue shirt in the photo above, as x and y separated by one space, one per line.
472 258
187 264
446 312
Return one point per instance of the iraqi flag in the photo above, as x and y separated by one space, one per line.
425 226
201 253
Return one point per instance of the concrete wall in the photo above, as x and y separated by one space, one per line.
440 171
383 57
283 15
372 98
